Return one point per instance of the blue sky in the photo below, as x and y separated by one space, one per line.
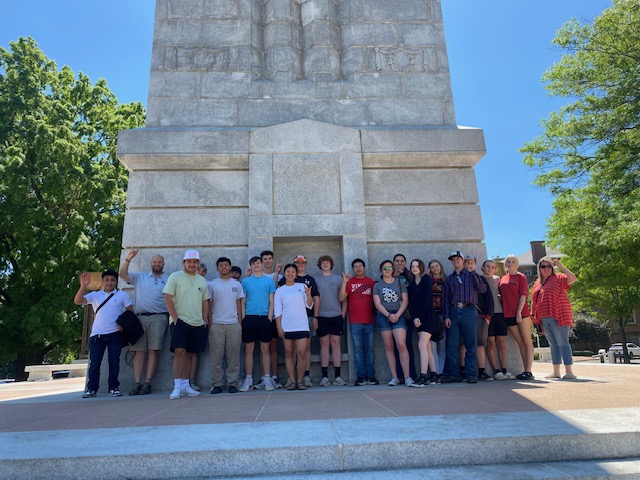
498 51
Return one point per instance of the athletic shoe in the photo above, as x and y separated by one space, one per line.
115 392
339 382
176 393
306 381
136 389
434 378
258 386
232 389
89 394
268 384
194 385
394 382
485 376
408 381
373 381
247 385
552 375
324 382
422 381
509 376
499 376
190 392
569 376
216 390
472 379
525 376
146 389
360 382
276 382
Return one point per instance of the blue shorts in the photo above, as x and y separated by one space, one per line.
384 325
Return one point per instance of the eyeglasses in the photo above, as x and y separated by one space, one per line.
545 266
387 268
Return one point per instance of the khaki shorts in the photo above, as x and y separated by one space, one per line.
154 327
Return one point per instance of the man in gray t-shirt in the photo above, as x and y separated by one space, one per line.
330 320
152 312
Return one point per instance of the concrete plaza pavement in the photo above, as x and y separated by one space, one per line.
332 429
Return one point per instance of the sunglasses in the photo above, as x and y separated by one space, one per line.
545 266
387 268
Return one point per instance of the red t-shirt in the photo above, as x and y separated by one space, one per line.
512 287
551 300
360 299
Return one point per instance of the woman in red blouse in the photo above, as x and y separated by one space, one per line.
514 290
552 309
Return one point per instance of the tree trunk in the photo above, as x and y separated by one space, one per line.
623 335
26 358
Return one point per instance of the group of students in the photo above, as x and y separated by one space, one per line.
460 319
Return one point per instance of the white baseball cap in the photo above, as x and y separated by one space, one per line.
191 255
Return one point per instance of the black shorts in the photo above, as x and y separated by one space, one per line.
511 321
498 326
296 335
257 328
330 326
192 339
482 332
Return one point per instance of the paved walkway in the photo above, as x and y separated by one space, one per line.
47 431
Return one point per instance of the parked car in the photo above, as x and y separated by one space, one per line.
633 349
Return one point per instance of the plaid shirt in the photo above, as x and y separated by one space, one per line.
463 287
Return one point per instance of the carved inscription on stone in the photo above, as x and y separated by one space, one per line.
197 59
399 60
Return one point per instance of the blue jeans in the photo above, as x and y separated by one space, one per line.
464 324
362 338
97 345
558 338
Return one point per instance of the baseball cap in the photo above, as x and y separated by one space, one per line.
299 258
470 257
191 255
456 253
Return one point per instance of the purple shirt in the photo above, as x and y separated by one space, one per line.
463 288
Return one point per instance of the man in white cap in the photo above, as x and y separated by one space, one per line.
186 295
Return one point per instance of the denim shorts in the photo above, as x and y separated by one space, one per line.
384 325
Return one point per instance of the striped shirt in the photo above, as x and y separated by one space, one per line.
550 299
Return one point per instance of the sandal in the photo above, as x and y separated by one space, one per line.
291 386
302 387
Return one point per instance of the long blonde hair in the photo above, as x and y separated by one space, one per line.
443 276
550 262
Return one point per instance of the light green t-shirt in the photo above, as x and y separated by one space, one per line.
188 291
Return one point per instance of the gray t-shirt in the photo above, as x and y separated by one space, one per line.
224 295
329 288
390 294
148 292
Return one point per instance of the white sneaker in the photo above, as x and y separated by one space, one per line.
408 381
194 385
259 386
498 376
339 382
268 384
324 382
509 376
276 382
394 382
307 381
246 385
190 392
176 393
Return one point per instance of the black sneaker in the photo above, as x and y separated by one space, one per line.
136 389
146 389
89 394
422 381
472 380
360 382
435 378
233 389
115 392
485 376
216 390
373 381
525 376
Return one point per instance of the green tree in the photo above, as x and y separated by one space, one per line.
589 157
62 197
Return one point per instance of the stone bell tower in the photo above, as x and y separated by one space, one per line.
301 126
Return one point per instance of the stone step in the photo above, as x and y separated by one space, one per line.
345 445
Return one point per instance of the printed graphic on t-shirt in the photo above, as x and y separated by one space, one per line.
357 286
389 295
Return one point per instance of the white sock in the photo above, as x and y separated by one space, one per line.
185 383
177 383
